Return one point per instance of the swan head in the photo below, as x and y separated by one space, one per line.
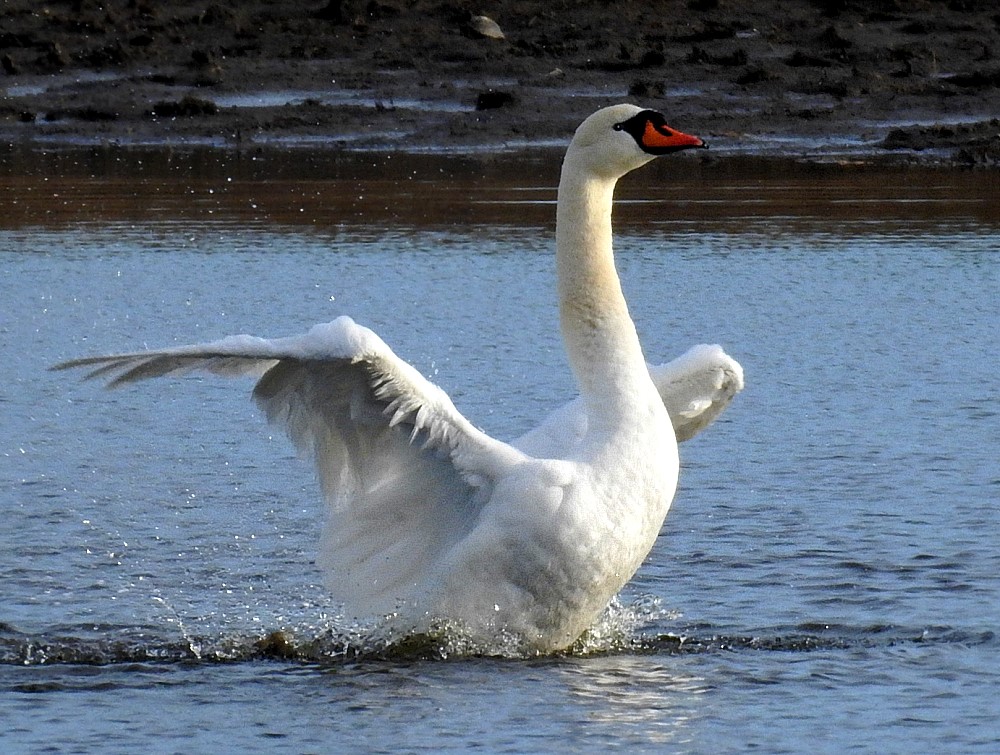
621 138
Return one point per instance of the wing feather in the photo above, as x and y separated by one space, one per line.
405 475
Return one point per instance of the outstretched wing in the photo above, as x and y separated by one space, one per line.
405 475
695 389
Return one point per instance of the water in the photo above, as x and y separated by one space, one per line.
827 578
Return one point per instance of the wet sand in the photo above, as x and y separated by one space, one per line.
830 81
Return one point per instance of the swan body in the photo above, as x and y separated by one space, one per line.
430 519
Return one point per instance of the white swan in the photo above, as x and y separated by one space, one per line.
429 518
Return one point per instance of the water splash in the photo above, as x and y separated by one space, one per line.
619 629
617 633
193 645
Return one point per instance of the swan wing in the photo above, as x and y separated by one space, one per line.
404 474
696 388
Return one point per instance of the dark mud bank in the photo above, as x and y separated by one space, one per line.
828 80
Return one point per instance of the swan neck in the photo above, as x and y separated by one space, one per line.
600 338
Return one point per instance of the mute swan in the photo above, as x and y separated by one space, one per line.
430 519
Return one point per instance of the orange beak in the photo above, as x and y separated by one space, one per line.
656 138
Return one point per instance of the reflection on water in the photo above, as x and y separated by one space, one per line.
832 532
634 693
331 190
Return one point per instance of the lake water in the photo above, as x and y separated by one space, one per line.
828 577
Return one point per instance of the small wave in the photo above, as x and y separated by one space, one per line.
615 634
811 637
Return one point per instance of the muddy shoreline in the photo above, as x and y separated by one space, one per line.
830 81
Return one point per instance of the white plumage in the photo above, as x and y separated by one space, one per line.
432 520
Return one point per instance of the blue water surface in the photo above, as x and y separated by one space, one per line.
827 579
